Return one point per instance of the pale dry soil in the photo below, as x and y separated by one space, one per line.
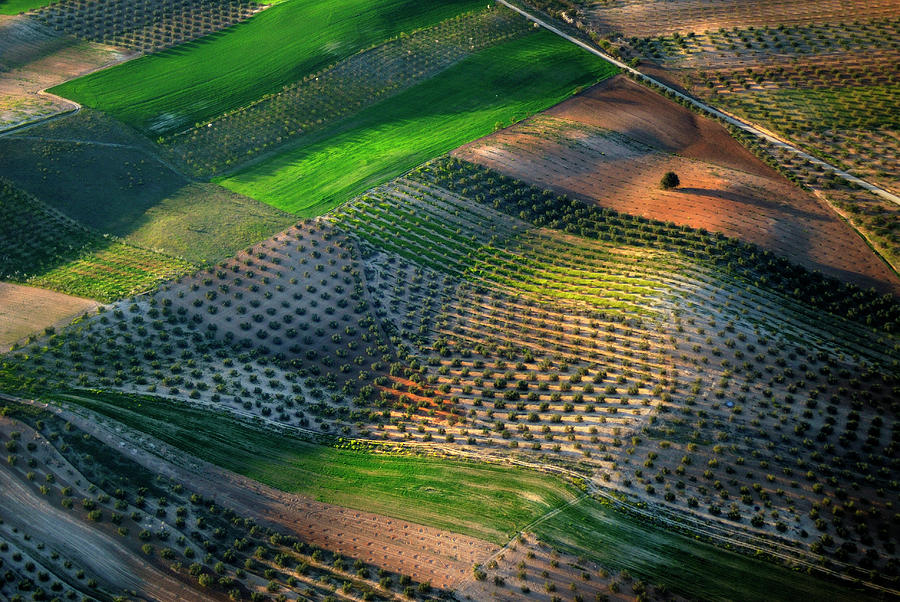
32 58
25 310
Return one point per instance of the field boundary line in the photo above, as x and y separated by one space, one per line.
716 534
748 127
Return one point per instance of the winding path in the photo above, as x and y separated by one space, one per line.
750 128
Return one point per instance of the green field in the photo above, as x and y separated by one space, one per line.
206 223
489 502
684 565
501 84
475 499
14 7
172 90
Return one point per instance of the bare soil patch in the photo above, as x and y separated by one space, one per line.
33 57
620 105
612 145
25 310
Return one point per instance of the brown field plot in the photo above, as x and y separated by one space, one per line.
33 57
25 310
612 144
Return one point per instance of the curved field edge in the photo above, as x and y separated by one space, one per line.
493 88
592 529
196 81
483 500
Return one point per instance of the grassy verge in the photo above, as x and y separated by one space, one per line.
489 502
689 567
172 90
498 85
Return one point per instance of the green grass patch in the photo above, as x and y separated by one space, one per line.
207 223
686 566
108 188
38 246
170 91
489 502
14 7
501 84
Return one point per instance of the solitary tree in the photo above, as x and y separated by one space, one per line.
669 181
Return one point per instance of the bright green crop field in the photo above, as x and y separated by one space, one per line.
172 90
14 7
485 501
501 84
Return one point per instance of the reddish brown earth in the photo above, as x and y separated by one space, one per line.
612 144
442 558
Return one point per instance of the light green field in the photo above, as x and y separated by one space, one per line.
687 566
206 223
14 7
497 85
489 502
172 90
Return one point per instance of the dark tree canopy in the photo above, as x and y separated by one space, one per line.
669 181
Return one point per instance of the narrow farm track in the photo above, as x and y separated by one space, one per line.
750 128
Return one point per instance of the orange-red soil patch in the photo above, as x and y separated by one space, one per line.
612 145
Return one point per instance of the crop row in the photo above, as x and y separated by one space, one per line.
761 42
144 25
42 247
323 98
544 209
643 19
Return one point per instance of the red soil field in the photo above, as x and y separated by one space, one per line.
612 144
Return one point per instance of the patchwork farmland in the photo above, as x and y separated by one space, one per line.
343 300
